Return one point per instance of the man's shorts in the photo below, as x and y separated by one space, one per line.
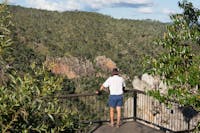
115 100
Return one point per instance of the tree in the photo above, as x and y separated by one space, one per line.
179 65
5 41
25 102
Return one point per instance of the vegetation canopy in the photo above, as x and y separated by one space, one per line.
28 87
179 65
24 107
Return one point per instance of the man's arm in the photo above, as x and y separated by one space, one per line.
104 86
124 86
124 89
101 88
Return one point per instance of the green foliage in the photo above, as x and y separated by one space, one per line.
68 86
4 28
26 105
86 35
157 95
179 65
5 41
89 84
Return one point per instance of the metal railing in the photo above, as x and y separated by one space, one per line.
138 106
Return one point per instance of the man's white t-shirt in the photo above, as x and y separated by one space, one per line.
115 84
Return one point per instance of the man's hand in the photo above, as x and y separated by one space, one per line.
124 89
98 92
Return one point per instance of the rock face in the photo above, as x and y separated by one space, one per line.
106 64
74 67
173 117
148 82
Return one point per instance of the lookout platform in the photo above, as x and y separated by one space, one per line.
126 127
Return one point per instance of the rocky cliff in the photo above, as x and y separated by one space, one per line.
74 67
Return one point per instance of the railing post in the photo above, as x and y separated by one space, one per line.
134 105
188 125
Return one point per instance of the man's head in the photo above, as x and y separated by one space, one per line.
115 71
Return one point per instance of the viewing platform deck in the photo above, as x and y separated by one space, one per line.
126 127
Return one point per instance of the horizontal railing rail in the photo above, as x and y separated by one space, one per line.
138 106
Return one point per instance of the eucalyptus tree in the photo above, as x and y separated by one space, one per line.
26 104
179 65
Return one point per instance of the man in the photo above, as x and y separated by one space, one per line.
116 85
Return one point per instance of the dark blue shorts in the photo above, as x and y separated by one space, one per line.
115 100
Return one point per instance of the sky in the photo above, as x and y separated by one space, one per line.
158 10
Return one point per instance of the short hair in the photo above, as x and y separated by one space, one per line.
115 71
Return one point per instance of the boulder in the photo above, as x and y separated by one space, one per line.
148 82
172 117
72 67
104 63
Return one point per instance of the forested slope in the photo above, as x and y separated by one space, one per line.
85 35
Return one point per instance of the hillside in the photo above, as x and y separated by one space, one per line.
39 34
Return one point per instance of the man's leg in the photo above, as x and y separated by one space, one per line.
118 115
111 115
